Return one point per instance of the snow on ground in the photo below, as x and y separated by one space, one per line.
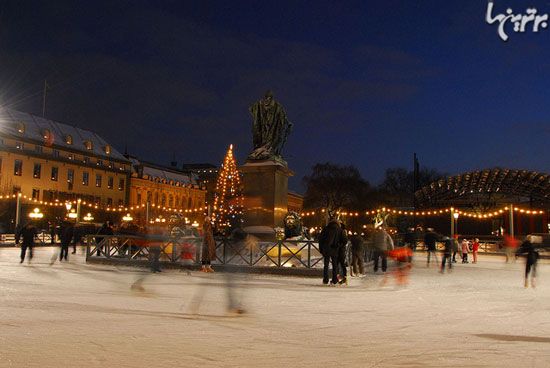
79 315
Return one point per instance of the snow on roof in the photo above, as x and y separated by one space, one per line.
34 127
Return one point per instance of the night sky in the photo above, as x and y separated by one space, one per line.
365 83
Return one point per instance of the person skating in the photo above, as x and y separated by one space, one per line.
447 254
330 239
430 240
66 236
208 246
475 249
342 256
106 229
28 233
465 250
357 253
529 249
455 246
382 243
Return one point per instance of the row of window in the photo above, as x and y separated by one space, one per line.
70 156
68 139
167 200
49 196
37 174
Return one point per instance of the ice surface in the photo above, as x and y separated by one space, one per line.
79 315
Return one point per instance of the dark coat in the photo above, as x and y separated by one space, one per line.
331 239
104 230
66 233
528 248
357 244
208 243
28 233
429 240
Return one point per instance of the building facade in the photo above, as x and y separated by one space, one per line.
165 187
47 161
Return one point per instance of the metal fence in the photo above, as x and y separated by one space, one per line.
186 250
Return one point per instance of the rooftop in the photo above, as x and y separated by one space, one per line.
55 134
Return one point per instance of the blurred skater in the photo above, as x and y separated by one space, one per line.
403 258
528 248
106 229
430 240
357 253
447 254
510 247
455 247
382 242
208 246
475 249
66 236
28 233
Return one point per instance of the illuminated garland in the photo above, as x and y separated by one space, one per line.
432 212
142 207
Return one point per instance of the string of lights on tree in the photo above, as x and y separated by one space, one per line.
228 198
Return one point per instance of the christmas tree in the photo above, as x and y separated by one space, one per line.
228 199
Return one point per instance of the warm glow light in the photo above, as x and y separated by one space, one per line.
36 214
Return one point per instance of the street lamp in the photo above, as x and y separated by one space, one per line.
68 206
455 215
88 217
127 218
36 214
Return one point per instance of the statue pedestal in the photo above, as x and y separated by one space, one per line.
265 193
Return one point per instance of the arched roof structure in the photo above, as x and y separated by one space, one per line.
487 188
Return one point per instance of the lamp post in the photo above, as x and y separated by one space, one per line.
455 216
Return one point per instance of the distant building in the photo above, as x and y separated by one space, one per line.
164 186
207 175
295 202
47 160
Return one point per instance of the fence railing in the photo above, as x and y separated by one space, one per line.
186 250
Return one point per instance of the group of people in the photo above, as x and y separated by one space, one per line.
333 241
27 235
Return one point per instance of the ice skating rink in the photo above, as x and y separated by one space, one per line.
79 315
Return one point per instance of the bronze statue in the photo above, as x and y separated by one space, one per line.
270 129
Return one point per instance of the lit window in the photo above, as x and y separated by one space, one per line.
20 127
55 173
37 170
99 162
36 194
98 180
86 160
69 139
71 156
46 134
19 145
18 168
107 150
110 182
121 184
85 178
89 145
70 178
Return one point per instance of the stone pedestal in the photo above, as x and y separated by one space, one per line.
265 193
